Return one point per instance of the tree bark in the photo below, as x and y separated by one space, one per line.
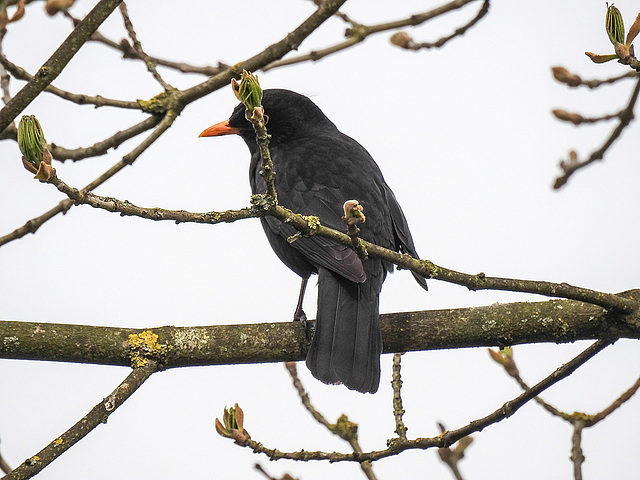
557 321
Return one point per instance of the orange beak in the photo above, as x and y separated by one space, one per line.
219 129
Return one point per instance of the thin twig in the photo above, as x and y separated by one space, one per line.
457 32
571 166
358 33
98 415
398 410
312 227
57 62
451 457
343 428
138 48
79 98
267 172
548 407
102 147
128 52
577 456
4 75
31 226
4 466
617 403
577 119
304 396
574 80
450 437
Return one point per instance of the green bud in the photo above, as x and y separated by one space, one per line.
634 29
595 58
248 90
232 425
614 25
31 140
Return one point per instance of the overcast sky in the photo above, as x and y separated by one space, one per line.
464 136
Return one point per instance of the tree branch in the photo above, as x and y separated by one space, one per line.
308 227
573 164
398 409
57 62
273 52
343 428
77 432
448 438
35 223
137 46
79 98
358 33
558 321
103 146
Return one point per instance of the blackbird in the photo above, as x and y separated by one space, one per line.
318 169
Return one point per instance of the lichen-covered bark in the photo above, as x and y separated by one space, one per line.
557 321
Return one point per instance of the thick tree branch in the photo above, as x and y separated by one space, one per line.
557 321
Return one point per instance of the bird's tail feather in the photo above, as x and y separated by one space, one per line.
347 344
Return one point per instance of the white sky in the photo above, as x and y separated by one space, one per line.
464 136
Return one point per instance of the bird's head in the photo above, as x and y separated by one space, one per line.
289 115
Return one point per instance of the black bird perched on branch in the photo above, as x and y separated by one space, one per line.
318 169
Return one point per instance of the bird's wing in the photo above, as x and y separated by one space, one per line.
325 203
404 241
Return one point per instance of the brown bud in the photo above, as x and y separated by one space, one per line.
563 75
565 116
401 39
54 6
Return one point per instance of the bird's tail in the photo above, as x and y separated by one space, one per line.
347 343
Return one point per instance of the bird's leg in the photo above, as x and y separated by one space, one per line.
299 314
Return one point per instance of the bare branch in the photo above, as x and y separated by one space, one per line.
615 405
98 415
273 52
79 98
102 147
557 321
573 80
411 45
342 428
304 396
4 75
398 410
31 226
573 164
57 62
359 32
128 52
307 226
137 46
577 457
4 466
448 438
